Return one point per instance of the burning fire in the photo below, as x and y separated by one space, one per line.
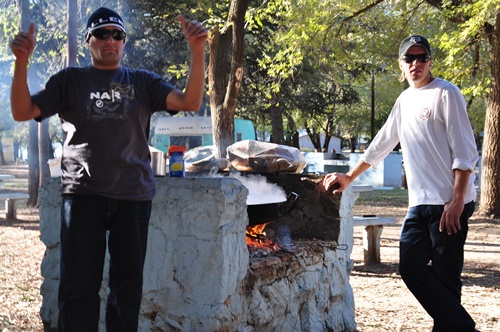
256 238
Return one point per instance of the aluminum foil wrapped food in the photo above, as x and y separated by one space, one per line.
263 157
204 158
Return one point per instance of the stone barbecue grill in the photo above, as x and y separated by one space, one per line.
199 275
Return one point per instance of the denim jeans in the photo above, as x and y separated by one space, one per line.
431 264
85 222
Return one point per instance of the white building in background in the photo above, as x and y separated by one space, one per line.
306 143
389 173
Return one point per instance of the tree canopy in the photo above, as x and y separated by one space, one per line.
290 47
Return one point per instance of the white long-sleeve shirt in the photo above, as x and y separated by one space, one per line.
436 137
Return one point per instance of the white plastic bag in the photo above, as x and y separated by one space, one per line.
263 157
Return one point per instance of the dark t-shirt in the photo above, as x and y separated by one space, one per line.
106 116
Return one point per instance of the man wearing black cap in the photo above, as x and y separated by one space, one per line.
107 181
430 121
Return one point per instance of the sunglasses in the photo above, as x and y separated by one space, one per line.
420 57
104 34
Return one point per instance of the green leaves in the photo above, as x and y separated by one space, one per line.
295 48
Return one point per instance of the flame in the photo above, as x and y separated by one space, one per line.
256 238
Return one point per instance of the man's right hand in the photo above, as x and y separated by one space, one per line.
23 44
22 107
342 181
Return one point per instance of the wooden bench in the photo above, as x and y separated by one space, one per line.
373 227
5 178
10 203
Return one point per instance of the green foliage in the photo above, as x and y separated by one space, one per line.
351 40
466 59
48 58
8 27
463 51
301 55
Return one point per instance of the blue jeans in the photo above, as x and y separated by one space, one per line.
85 222
437 286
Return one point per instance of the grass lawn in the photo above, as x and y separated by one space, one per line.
394 198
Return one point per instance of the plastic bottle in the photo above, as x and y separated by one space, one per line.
176 160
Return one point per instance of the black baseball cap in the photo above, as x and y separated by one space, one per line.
414 40
104 17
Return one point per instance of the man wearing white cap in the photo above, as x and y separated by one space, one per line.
107 181
430 121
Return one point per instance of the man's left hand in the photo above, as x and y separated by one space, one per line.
195 32
450 220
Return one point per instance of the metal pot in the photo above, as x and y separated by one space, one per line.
262 213
158 163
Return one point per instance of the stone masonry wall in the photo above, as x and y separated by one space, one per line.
198 274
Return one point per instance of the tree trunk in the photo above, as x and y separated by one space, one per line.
352 143
222 119
33 164
314 137
327 142
372 116
16 150
295 140
224 87
278 133
44 150
490 176
72 33
2 157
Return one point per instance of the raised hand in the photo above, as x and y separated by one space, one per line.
23 44
195 33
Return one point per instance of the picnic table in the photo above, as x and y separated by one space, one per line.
5 178
373 226
10 198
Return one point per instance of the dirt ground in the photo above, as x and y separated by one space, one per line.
382 301
21 253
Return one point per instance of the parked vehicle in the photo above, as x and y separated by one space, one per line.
194 131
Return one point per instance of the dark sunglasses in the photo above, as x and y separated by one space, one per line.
104 34
420 57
